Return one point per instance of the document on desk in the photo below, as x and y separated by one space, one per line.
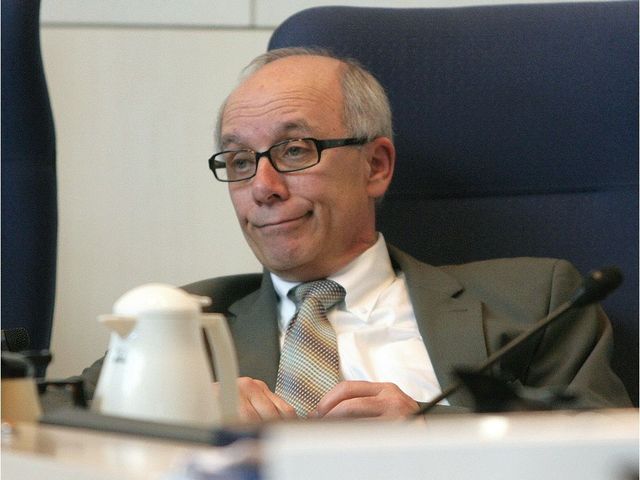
237 461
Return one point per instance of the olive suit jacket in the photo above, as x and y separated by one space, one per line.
464 313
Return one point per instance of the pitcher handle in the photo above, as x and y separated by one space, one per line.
225 363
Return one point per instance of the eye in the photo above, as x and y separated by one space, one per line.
293 151
242 162
296 150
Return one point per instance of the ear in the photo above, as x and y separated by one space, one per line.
382 160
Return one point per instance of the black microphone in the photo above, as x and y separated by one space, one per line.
595 287
15 339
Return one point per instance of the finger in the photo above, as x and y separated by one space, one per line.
345 391
265 407
285 410
247 413
252 406
366 399
362 407
258 403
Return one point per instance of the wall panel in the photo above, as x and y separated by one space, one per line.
135 111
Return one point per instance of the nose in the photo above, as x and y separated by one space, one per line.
268 185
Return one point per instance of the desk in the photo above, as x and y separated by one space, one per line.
599 445
35 451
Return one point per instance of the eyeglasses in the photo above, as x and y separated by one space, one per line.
287 156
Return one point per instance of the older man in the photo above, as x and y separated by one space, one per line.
344 325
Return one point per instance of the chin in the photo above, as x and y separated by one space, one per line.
281 265
284 262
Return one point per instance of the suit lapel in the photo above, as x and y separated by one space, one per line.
254 326
450 323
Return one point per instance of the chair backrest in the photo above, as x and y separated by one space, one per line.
516 128
29 205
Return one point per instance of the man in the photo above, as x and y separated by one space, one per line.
307 153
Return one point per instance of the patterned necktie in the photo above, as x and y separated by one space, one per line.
309 363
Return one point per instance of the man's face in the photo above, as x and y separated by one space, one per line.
308 224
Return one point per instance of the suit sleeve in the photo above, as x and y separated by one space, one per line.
54 399
576 350
90 377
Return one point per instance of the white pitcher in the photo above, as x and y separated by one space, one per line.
157 367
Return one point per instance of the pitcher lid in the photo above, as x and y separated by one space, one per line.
156 298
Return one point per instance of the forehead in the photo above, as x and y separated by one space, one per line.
301 93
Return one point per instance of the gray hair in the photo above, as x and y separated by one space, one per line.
367 113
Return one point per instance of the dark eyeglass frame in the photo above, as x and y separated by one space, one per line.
320 146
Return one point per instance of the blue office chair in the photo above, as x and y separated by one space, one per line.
29 209
516 129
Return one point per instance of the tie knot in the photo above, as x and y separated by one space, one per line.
327 292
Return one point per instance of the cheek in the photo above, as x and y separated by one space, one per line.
342 210
239 201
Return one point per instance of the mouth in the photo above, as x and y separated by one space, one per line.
283 223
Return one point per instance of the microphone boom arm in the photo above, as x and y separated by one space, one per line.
596 286
500 353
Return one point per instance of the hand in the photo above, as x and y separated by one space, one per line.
365 399
257 403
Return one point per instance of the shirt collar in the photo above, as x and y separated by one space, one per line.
363 279
282 287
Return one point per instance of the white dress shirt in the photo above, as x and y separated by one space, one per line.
376 329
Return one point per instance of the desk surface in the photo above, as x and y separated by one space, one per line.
593 445
35 451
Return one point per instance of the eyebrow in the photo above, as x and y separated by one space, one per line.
283 130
